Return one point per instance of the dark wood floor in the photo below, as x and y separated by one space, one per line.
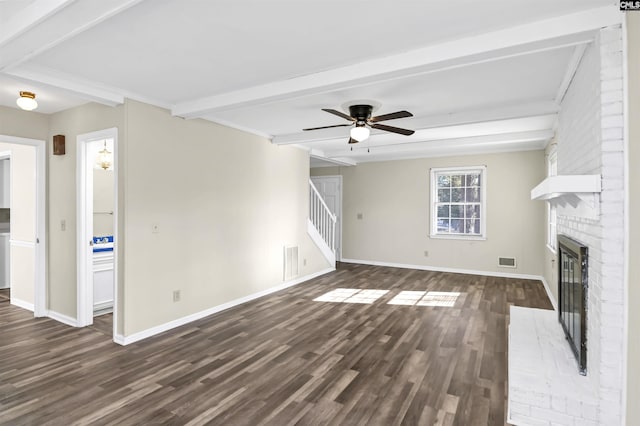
282 359
103 324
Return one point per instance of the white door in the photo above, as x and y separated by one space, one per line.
330 188
27 239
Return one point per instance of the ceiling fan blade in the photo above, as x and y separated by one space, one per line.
393 129
339 114
328 127
391 116
352 140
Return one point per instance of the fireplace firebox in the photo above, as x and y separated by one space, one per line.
572 295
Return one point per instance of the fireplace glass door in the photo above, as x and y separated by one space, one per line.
572 291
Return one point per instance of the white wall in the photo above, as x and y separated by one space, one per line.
393 197
225 203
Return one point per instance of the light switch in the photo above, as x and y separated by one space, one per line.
155 228
63 225
359 216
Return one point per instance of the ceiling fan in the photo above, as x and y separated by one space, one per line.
361 119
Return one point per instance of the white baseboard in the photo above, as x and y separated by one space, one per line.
553 300
100 306
452 270
135 337
62 318
22 304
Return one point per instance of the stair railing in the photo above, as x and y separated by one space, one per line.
321 217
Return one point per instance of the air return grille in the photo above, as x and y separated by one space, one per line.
507 262
290 262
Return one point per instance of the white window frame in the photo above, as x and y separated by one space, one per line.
552 209
433 233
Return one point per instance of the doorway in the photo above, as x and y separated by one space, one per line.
27 222
97 230
330 188
5 226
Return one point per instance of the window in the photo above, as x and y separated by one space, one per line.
458 202
552 215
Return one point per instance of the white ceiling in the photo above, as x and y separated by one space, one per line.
478 76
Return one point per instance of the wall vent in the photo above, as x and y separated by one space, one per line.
290 262
507 262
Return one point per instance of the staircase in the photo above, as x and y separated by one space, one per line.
321 225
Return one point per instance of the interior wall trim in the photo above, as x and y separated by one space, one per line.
22 304
135 337
65 319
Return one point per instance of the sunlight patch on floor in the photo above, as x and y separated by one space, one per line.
406 298
439 298
351 295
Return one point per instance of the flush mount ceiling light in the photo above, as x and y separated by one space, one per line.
104 158
27 101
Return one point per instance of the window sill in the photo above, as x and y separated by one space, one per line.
458 237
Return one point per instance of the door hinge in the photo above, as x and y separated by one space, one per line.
37 240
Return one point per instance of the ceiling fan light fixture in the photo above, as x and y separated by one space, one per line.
360 133
27 101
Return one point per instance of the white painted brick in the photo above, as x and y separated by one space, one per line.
614 108
611 47
518 408
519 419
559 404
611 59
615 95
552 416
612 133
574 408
610 74
590 141
612 120
608 85
610 34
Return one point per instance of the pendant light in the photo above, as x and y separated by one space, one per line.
104 160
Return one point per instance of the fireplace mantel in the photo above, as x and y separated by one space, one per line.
576 195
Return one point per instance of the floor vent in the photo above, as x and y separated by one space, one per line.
290 262
507 262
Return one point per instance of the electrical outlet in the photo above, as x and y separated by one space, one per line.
155 228
426 253
359 216
176 295
63 225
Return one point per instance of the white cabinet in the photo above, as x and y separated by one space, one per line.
4 260
102 282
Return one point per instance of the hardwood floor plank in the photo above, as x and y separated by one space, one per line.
279 360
